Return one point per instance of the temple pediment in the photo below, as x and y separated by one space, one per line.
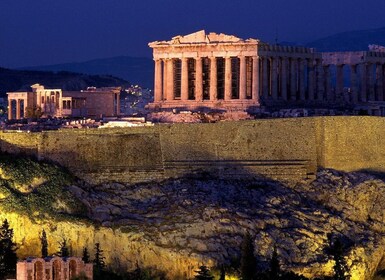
201 37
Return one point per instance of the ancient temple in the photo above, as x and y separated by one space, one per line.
218 71
40 101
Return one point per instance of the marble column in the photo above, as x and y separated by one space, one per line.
10 109
320 81
117 104
383 82
165 81
363 93
301 74
293 79
228 78
242 77
255 79
198 79
310 84
328 82
371 78
170 80
274 78
265 78
184 79
158 81
213 78
339 80
353 83
18 109
284 78
379 83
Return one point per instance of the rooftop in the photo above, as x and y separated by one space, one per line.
200 37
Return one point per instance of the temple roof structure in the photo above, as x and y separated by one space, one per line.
200 37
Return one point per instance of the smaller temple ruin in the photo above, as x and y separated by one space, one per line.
53 268
93 102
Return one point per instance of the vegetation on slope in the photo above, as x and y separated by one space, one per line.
37 189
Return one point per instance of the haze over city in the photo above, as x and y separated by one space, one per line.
48 32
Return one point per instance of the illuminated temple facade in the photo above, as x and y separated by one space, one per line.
217 71
40 101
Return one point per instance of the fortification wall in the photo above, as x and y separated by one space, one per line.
352 143
280 148
275 148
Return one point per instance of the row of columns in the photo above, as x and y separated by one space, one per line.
164 79
285 78
270 79
366 82
276 78
18 108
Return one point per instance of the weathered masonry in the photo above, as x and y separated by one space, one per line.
284 149
225 72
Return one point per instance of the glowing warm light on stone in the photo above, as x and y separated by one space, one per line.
128 246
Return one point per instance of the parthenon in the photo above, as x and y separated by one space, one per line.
218 71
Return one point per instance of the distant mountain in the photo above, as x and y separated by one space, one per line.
350 41
288 43
15 80
137 70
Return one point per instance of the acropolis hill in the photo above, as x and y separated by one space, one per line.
206 185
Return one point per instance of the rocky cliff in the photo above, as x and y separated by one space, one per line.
177 224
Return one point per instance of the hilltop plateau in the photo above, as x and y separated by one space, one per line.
176 224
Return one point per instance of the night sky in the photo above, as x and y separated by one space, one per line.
41 32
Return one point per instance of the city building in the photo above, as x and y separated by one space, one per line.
221 72
53 268
93 102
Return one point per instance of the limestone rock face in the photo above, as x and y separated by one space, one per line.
178 224
208 218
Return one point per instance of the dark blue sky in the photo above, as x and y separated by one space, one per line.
39 32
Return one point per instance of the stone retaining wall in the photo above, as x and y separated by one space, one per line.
275 148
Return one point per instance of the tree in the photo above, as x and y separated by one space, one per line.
203 273
275 270
223 273
44 244
8 258
99 264
340 268
63 249
248 260
86 255
99 259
